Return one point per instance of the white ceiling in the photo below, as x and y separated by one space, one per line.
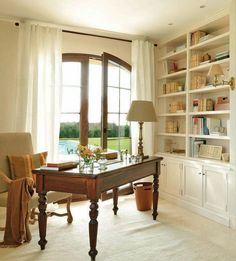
148 18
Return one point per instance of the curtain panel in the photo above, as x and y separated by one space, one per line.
143 82
39 85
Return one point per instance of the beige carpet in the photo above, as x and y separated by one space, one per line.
178 235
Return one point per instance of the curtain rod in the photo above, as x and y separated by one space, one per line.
94 35
101 36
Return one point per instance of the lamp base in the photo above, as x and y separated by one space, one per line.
145 157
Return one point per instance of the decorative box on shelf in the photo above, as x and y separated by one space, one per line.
222 104
222 107
176 106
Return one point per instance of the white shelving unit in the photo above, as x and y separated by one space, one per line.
185 104
176 88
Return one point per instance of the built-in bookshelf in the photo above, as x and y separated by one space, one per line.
191 107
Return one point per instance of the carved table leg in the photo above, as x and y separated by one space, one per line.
42 219
93 228
115 200
155 191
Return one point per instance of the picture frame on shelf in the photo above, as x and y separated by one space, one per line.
210 151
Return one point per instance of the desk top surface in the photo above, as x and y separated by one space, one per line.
116 166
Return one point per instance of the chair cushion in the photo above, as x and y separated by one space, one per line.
22 165
52 196
13 143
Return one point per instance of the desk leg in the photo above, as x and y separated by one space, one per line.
93 228
115 200
42 219
155 191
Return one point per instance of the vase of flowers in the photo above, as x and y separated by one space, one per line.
88 156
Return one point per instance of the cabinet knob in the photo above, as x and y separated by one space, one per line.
199 173
162 164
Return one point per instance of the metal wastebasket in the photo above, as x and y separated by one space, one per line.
143 195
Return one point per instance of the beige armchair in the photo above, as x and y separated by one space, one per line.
21 144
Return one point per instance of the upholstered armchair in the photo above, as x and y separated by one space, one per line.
21 144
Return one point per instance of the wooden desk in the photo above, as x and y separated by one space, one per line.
93 185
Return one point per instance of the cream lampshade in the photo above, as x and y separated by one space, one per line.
141 111
215 71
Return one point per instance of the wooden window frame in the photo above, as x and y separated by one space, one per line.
84 124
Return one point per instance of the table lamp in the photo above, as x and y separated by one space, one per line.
215 71
141 111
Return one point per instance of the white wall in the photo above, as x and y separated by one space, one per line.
8 58
70 43
74 43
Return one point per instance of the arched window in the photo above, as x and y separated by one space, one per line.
95 100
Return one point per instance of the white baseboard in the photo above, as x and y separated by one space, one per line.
224 220
232 221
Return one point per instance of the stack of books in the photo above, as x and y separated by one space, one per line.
206 37
222 55
180 47
60 165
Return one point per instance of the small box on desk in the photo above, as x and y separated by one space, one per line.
109 155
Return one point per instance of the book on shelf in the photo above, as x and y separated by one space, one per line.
60 165
205 125
196 147
195 36
200 126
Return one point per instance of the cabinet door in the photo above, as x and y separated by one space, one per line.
173 177
162 177
192 183
215 189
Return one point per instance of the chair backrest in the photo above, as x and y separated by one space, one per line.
13 143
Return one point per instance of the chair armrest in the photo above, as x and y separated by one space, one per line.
5 178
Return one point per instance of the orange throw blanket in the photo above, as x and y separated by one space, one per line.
17 220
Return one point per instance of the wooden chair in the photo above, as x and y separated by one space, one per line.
21 144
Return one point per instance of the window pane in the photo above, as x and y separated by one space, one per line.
95 77
70 117
94 117
113 131
113 75
113 99
69 136
124 126
124 100
124 133
71 73
69 127
71 99
124 78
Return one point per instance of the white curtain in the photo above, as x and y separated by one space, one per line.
143 80
39 86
